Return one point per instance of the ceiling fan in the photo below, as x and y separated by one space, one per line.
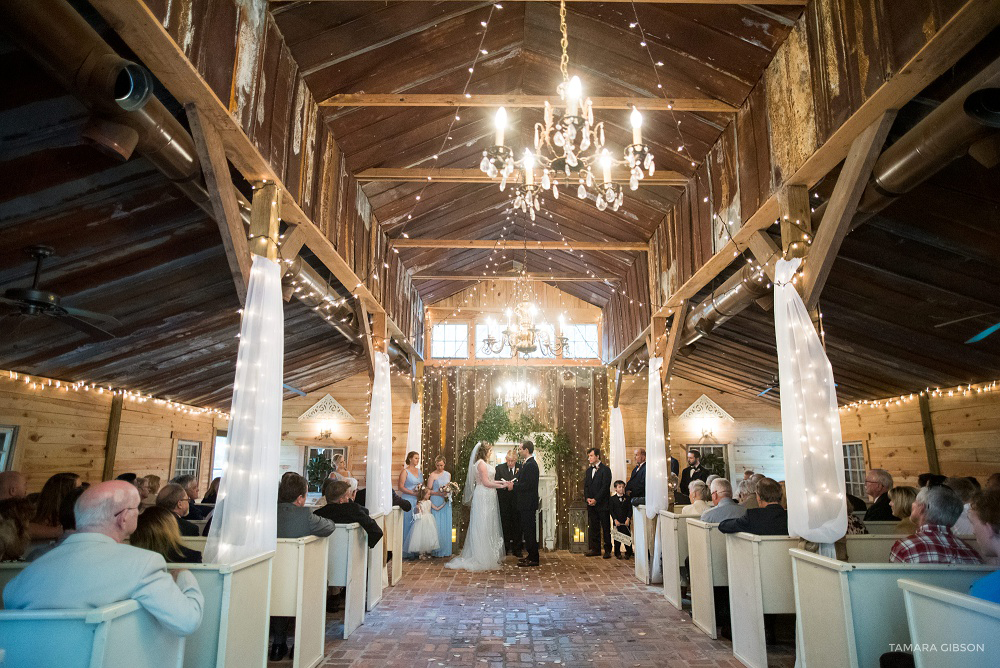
770 386
36 301
981 335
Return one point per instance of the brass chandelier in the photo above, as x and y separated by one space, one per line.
521 335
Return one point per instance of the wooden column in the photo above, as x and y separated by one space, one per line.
929 442
111 443
264 221
796 220
618 384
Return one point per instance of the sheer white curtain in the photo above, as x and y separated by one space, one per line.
810 422
378 497
617 454
413 430
244 522
657 471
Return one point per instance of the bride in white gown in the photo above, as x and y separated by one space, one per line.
483 549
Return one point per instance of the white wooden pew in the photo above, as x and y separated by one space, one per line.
298 589
866 548
673 550
708 570
644 547
8 571
348 568
943 619
883 528
394 543
848 614
759 569
120 635
195 542
376 565
234 624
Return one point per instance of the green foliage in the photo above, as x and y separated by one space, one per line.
715 464
317 471
496 423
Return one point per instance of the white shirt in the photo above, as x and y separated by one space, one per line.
963 526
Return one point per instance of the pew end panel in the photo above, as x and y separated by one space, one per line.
298 589
104 637
348 568
376 564
8 571
708 570
394 543
674 550
941 618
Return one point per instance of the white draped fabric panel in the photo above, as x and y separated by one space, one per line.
244 522
657 472
617 454
378 497
810 422
413 430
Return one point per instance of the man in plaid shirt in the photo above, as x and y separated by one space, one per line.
934 512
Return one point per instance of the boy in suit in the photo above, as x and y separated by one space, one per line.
621 517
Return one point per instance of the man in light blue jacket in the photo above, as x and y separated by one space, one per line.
92 568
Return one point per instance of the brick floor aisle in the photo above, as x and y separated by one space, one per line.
572 611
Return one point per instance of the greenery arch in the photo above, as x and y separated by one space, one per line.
496 422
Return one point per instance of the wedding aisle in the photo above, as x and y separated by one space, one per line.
572 611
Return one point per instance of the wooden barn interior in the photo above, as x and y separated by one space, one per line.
150 149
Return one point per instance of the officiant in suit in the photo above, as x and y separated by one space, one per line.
508 506
526 500
597 492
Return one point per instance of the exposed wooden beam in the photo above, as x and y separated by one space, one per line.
295 238
455 175
222 194
842 206
765 251
515 101
928 428
111 441
796 220
638 342
264 222
792 3
619 374
966 28
674 339
365 331
533 276
490 244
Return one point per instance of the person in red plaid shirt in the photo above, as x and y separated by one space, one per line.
934 512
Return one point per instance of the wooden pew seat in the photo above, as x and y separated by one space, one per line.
960 629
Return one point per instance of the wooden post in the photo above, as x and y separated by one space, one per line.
796 221
111 443
618 384
414 376
674 340
365 332
929 442
264 221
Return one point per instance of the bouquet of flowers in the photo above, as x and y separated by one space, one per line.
450 488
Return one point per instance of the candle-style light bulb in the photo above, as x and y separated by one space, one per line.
529 167
606 165
574 91
500 120
636 126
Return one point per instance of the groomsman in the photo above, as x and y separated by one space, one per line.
694 471
597 492
635 489
508 506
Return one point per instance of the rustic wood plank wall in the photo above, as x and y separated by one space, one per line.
627 312
256 75
65 430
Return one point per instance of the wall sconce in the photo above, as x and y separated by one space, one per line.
325 434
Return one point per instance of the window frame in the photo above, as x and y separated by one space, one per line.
8 444
464 353
565 328
856 488
180 442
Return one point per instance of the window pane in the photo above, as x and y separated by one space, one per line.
219 463
496 330
582 342
450 341
188 460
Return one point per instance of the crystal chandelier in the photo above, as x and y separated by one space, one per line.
514 393
521 335
568 145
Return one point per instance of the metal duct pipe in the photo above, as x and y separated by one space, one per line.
967 117
317 294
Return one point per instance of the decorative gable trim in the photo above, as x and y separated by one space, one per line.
704 407
327 408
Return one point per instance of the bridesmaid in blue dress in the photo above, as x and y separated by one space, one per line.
409 479
441 506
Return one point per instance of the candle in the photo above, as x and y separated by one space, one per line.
501 124
636 126
454 535
573 92
606 165
529 166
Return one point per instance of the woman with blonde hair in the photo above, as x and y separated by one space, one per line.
156 530
153 484
901 502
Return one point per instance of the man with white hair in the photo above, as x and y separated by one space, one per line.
722 500
13 485
92 568
934 512
878 482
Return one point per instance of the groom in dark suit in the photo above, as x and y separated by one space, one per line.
526 499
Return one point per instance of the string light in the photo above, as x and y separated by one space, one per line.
969 389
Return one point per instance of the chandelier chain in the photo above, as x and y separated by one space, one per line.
564 41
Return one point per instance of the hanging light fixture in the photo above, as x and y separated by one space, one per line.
517 393
521 335
567 146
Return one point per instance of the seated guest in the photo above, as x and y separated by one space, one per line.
92 568
993 482
128 477
68 521
722 500
15 514
854 527
965 491
750 501
175 499
157 530
878 482
930 480
190 485
856 505
339 509
974 481
768 519
397 500
934 512
901 502
213 491
46 525
635 488
294 521
142 485
985 517
13 485
153 487
700 499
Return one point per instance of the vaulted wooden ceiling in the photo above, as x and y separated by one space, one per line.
715 52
